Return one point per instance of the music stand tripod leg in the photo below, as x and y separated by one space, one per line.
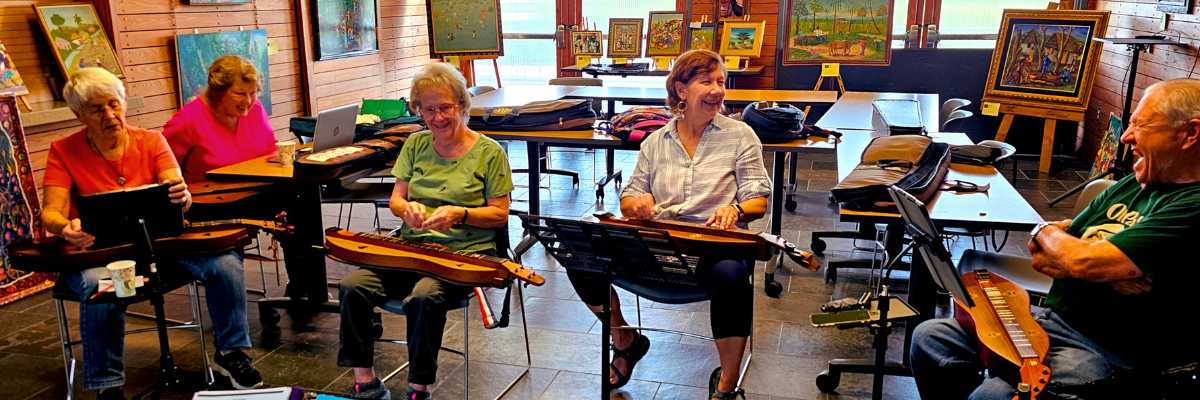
170 376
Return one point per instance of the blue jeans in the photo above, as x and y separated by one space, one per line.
946 364
102 325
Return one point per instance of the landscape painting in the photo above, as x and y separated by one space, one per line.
742 38
10 79
1045 58
854 32
464 27
587 43
194 52
345 28
665 37
625 37
78 39
702 37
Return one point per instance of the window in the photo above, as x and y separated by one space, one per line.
974 23
528 45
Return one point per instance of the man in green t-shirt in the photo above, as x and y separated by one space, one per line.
1121 271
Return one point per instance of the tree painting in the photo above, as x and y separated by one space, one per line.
838 31
78 39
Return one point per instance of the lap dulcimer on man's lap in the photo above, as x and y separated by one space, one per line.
702 240
1014 342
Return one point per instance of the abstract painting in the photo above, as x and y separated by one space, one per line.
625 37
78 38
194 52
10 79
742 38
1106 154
665 37
702 38
1175 6
345 28
587 43
1045 58
854 32
20 214
464 27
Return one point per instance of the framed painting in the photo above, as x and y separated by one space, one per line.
20 213
345 28
194 53
625 37
742 38
464 27
215 2
1175 6
1045 58
703 37
851 32
77 38
734 8
587 43
665 35
1106 153
10 79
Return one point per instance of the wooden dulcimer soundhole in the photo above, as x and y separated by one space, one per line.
1004 325
386 252
703 240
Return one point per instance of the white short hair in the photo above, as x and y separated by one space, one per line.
1179 100
90 82
441 75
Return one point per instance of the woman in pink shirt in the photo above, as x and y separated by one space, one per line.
225 125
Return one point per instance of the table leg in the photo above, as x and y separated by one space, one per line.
535 176
777 193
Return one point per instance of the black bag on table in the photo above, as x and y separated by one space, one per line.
551 115
774 123
914 163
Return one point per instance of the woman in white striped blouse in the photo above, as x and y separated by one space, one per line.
700 167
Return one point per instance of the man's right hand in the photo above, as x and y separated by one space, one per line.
640 206
75 235
413 215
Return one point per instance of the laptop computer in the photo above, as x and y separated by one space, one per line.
335 127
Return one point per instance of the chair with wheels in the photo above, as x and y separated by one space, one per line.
950 105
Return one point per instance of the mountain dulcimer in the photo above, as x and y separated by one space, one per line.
702 240
1004 325
57 255
386 252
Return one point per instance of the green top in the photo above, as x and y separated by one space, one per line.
1156 228
468 181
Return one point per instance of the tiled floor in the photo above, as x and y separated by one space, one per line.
564 336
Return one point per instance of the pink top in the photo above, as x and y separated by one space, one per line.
200 143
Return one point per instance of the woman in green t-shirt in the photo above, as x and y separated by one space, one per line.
452 188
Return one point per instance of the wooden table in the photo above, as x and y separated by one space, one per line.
595 72
855 111
657 96
516 95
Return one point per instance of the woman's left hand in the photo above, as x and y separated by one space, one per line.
723 218
443 218
178 192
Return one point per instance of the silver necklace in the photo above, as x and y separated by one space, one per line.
117 169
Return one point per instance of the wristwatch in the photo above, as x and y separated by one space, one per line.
1037 229
739 209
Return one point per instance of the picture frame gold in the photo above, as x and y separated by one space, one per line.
703 37
740 38
78 38
625 37
1046 58
587 43
666 34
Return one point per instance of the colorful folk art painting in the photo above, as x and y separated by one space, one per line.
1106 154
195 52
701 38
740 38
464 27
587 43
10 79
665 36
855 32
78 39
345 28
625 37
1045 58
19 209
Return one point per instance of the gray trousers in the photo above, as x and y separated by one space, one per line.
426 301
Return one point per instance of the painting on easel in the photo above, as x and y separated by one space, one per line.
464 27
852 32
19 209
702 37
10 79
1106 154
1045 58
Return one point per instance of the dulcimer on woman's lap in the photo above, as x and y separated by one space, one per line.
702 240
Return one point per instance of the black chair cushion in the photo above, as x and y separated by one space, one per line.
663 293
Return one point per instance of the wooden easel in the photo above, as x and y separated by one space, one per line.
1052 117
24 104
841 86
466 64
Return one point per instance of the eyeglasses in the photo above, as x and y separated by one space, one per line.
443 109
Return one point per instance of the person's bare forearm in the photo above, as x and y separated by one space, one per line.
1093 261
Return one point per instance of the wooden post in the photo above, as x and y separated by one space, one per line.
1051 122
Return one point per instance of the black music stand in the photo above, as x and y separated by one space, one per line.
1123 164
610 251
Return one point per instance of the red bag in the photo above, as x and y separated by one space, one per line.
635 124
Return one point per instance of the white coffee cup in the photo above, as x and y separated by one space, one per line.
286 151
124 277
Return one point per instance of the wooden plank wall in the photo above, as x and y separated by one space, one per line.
1130 18
143 33
760 10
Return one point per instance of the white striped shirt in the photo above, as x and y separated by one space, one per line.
726 167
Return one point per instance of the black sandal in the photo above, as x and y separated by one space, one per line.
632 354
714 380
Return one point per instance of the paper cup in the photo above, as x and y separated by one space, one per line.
286 152
124 277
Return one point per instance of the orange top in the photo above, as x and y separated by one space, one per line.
74 165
